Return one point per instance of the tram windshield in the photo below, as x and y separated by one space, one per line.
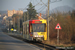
38 27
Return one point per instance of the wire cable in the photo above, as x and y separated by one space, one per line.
38 3
42 8
55 1
43 2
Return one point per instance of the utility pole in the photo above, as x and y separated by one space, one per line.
48 16
48 19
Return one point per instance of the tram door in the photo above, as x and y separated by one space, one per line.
27 32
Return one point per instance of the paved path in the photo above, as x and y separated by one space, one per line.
10 43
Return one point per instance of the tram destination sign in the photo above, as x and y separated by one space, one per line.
38 21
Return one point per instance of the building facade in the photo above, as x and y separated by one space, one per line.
11 12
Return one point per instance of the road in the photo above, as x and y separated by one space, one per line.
10 43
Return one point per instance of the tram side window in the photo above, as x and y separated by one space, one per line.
24 29
31 30
27 28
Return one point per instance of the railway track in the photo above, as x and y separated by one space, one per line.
39 44
44 46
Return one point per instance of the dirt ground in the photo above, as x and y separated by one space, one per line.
61 44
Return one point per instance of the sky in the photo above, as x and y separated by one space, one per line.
21 4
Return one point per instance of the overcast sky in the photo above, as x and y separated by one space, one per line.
17 4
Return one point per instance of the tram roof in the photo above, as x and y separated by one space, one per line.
43 20
34 20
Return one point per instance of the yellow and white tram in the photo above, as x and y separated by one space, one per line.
35 30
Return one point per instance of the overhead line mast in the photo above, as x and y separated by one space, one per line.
48 15
48 18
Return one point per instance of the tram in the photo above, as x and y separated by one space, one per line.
35 30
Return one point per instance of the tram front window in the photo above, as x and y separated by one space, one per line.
38 27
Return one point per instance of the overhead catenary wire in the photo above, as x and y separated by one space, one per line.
55 1
50 2
38 3
42 8
45 5
43 2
